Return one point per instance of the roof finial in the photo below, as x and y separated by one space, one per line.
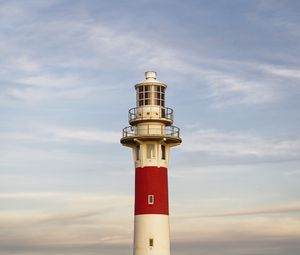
150 75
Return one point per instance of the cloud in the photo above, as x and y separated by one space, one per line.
44 135
69 221
229 88
24 63
237 244
237 145
234 81
48 81
87 223
33 195
281 71
52 51
224 228
86 135
290 208
227 82
45 87
293 173
98 45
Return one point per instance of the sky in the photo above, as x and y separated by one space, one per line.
67 75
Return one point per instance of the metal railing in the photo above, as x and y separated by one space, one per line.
151 130
150 112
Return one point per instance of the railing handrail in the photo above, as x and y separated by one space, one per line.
137 113
140 131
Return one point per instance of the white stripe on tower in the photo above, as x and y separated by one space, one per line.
151 228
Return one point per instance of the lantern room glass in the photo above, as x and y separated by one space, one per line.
150 95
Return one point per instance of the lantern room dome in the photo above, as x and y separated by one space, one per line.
150 78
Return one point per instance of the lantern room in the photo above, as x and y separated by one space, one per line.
150 91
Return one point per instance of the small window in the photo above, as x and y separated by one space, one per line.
150 199
151 242
150 151
163 112
137 152
163 152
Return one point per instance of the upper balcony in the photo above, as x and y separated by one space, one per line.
150 113
151 132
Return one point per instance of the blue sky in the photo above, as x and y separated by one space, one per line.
66 84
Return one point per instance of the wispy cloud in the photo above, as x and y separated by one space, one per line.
59 59
103 219
86 218
43 135
86 135
39 88
229 88
285 72
285 209
103 45
237 145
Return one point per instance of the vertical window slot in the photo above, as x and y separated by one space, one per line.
137 151
163 152
151 242
150 199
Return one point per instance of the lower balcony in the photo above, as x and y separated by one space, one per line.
170 134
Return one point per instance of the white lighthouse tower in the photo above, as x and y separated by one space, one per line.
151 135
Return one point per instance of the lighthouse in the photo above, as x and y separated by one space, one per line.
151 134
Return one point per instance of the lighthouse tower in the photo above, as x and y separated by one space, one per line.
151 135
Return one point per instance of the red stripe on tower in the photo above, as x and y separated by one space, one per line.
151 190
